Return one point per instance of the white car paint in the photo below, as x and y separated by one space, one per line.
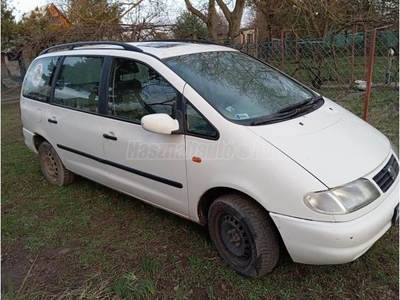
327 141
71 132
322 243
299 156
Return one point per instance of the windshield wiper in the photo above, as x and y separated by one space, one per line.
288 112
275 118
304 103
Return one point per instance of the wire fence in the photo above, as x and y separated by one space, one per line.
360 71
337 65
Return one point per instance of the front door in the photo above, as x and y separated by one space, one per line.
146 165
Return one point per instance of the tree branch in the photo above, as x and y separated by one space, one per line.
225 10
126 11
196 12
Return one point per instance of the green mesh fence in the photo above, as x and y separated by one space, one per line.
337 67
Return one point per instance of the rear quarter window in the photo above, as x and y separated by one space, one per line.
78 83
37 83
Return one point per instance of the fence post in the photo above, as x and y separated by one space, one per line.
369 74
353 45
334 55
388 73
297 50
365 52
283 50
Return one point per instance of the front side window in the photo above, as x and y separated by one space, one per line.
37 84
136 90
197 125
239 87
77 84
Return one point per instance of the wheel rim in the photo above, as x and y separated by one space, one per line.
50 165
235 238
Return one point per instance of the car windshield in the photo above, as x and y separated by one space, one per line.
238 86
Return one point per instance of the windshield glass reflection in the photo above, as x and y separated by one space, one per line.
237 85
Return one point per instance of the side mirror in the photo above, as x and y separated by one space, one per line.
159 123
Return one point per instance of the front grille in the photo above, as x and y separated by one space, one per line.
385 178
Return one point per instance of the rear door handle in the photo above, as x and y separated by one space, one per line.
54 121
110 137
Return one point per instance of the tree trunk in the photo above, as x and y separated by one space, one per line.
234 17
234 30
210 19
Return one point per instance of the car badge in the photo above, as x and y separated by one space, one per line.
392 172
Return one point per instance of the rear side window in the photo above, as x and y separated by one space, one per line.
78 83
37 84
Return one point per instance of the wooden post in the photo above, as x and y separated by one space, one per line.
365 53
353 45
297 55
388 73
334 55
369 73
283 50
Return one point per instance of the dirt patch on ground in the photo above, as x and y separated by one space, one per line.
27 271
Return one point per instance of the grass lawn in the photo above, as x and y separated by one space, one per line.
87 241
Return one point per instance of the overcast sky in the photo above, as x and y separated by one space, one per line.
24 6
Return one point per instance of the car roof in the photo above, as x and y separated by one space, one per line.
164 49
160 49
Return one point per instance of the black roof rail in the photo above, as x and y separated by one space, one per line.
71 46
181 40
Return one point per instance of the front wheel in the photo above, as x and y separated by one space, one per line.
244 235
52 167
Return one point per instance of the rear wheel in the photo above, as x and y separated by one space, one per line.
52 167
244 235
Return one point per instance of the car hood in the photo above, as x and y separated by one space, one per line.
330 143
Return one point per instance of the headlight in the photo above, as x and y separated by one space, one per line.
344 199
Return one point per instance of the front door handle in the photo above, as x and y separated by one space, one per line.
110 137
54 121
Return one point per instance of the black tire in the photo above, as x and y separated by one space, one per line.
52 167
244 235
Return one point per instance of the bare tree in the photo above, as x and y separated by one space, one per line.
233 17
326 17
149 20
270 17
97 11
149 11
213 20
210 17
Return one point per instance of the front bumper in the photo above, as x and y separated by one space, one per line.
321 243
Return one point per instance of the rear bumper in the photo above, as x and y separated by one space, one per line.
320 243
28 137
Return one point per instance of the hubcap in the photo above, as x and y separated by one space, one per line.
235 237
50 165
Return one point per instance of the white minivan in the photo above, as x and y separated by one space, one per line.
218 137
